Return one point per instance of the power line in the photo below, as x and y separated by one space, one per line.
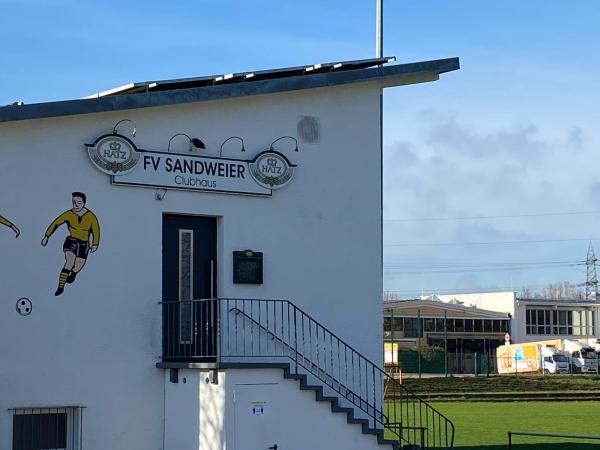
491 269
505 216
536 241
413 264
472 290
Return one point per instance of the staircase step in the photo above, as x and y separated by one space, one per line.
374 431
388 442
349 411
341 409
357 420
325 398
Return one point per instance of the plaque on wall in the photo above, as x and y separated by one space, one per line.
247 267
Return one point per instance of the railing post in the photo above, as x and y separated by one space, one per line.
509 440
445 343
419 338
295 340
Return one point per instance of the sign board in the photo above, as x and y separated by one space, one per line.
127 165
390 353
258 408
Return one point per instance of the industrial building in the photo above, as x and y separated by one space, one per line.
477 323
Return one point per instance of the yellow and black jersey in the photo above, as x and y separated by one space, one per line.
5 222
79 227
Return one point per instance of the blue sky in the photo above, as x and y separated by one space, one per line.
513 132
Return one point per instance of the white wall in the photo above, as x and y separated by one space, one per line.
182 410
210 424
97 344
307 424
492 301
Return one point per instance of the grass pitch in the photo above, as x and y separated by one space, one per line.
484 425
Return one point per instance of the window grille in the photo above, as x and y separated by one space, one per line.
47 428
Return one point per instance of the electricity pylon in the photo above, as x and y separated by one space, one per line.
591 283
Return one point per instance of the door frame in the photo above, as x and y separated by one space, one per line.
215 283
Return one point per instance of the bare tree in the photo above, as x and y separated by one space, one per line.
560 290
389 296
526 293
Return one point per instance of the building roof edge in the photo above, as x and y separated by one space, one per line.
392 75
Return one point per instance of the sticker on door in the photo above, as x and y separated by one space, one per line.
258 408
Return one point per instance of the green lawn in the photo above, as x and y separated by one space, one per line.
484 425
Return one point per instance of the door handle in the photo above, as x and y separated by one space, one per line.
212 275
274 447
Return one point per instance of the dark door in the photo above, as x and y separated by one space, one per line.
189 288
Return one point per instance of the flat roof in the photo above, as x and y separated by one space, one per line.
559 301
218 87
398 305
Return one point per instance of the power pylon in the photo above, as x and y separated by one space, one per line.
591 283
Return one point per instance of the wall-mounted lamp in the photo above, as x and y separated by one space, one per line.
232 137
194 142
160 194
125 120
285 137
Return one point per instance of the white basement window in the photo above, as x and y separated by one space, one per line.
47 428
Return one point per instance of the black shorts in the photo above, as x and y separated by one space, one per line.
80 248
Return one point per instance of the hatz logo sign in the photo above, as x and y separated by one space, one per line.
272 170
113 154
127 165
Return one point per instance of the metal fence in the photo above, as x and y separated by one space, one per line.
550 435
435 361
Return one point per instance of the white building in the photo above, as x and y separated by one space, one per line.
535 319
121 336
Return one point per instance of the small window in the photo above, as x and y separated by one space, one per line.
469 325
397 324
478 326
411 328
487 326
56 428
439 325
429 325
387 323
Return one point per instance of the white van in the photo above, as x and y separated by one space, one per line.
554 360
584 358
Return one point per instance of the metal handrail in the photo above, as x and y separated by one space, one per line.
551 435
266 329
342 389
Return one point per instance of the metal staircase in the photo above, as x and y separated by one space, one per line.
278 334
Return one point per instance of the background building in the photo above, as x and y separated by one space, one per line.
424 331
464 325
536 319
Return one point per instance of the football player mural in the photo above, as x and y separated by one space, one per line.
82 225
10 225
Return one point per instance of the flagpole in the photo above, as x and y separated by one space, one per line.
379 29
